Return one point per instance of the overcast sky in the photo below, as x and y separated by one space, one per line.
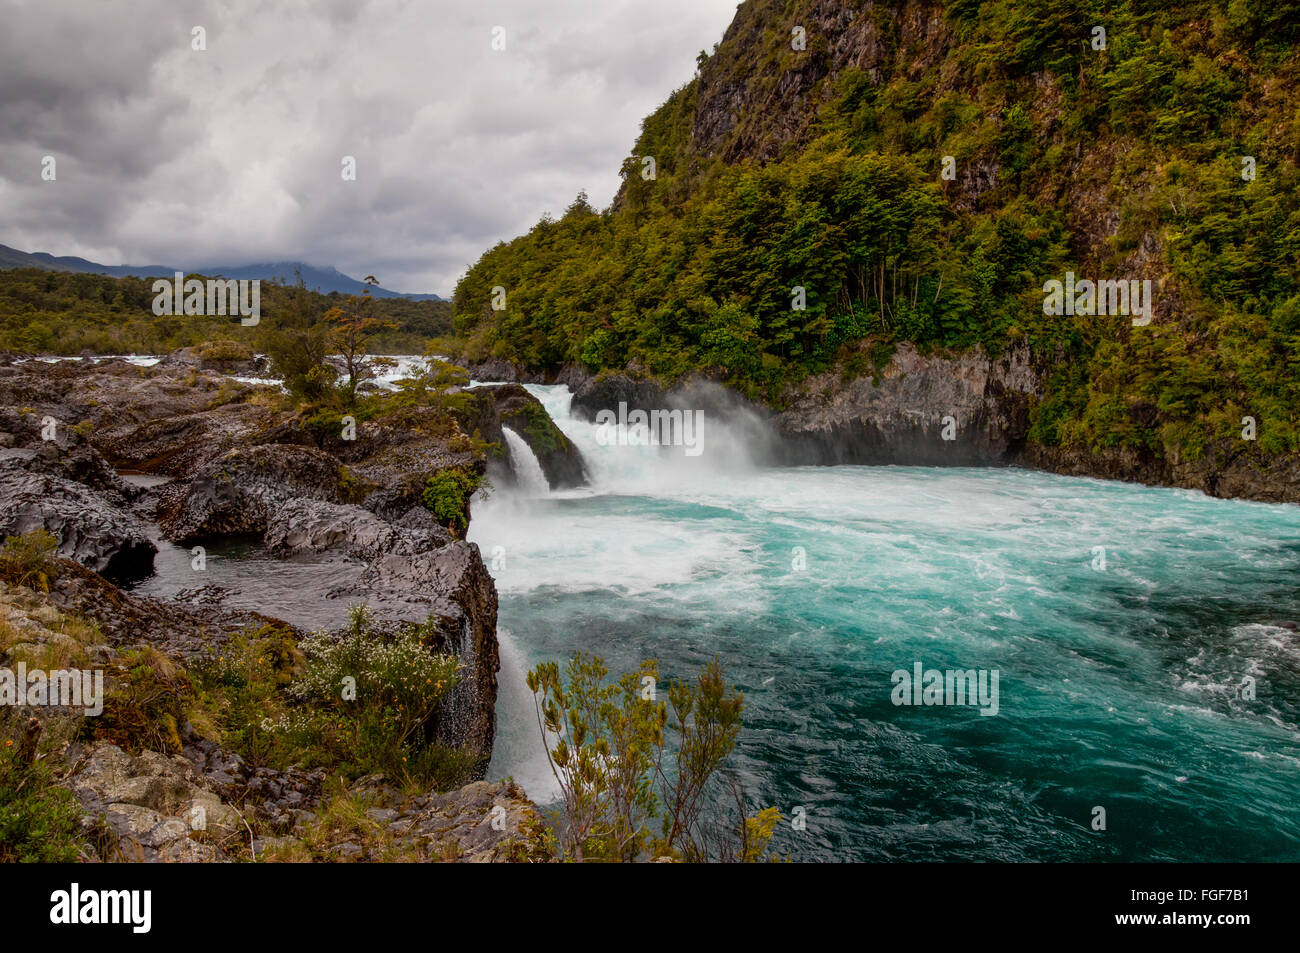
233 155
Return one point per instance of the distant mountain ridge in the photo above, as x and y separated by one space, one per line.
324 280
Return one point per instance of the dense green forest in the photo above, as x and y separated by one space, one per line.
58 312
821 168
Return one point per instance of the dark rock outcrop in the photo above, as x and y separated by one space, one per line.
292 496
497 406
307 525
495 369
454 586
48 445
237 493
1224 469
895 417
960 410
179 445
223 357
168 419
242 469
181 631
90 529
412 563
524 414
609 390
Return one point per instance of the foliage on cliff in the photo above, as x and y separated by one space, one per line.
447 494
820 168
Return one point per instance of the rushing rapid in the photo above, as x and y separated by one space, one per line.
1135 632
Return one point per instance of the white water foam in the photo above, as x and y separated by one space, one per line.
531 480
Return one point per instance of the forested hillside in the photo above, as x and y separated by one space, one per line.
1165 150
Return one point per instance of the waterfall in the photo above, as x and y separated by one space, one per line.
529 545
518 750
528 472
725 450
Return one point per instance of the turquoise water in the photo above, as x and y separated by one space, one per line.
1119 688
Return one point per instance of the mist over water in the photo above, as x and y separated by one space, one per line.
1118 688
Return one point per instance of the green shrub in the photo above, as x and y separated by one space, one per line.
240 691
39 821
352 489
28 560
144 700
397 675
447 493
618 770
359 702
224 352
366 702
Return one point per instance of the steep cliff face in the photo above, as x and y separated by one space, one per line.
1225 469
961 410
756 107
591 395
463 599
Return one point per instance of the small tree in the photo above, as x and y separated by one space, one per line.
440 385
617 772
707 719
350 328
298 345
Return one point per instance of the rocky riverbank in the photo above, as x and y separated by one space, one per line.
218 460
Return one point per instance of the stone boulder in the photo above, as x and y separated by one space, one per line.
315 526
240 491
90 529
153 807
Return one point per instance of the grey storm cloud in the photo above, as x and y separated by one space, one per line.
233 154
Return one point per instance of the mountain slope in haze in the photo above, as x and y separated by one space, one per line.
13 258
323 280
1164 150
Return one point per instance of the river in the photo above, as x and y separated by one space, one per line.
1128 626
